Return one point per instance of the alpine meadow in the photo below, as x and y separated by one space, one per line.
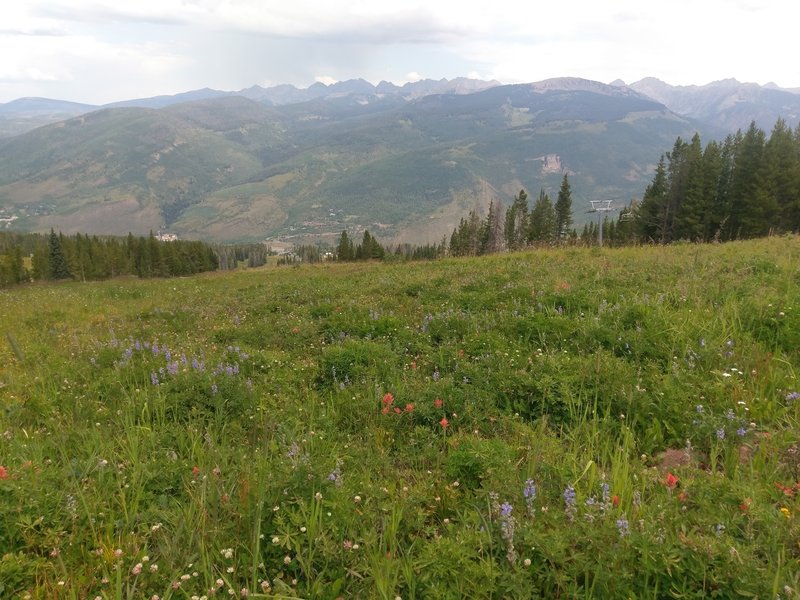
367 341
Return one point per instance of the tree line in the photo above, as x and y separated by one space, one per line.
746 186
519 226
25 257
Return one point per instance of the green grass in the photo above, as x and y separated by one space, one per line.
235 429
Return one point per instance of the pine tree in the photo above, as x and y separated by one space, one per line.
563 209
516 225
344 250
542 226
752 209
782 164
58 268
652 221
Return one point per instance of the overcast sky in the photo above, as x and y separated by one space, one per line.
99 51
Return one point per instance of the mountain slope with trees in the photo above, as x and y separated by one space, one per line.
234 169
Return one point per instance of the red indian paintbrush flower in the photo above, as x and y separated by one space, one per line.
671 481
438 403
444 422
3 472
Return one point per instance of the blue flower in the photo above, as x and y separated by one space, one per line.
505 509
530 489
623 526
569 496
721 433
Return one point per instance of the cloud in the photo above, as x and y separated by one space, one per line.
325 79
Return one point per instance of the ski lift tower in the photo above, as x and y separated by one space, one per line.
601 207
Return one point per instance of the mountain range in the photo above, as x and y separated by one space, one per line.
404 161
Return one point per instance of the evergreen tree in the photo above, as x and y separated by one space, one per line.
344 250
652 222
752 210
563 209
516 225
782 163
57 263
542 227
691 206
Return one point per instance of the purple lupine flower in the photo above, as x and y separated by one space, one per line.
569 496
214 388
793 396
172 368
505 509
154 378
741 432
530 489
606 492
128 353
167 355
138 345
721 433
154 348
623 526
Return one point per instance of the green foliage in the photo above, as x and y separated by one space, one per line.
564 422
745 188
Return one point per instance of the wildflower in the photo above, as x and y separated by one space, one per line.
243 593
527 562
318 496
671 481
118 553
409 407
216 471
136 569
530 489
569 496
287 559
444 422
745 505
397 410
388 399
264 586
683 497
214 388
721 433
154 378
195 471
436 375
347 545
569 502
3 472
154 568
356 499
793 396
786 512
623 526
741 432
505 509
615 500
438 403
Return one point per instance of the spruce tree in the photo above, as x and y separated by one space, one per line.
563 209
58 268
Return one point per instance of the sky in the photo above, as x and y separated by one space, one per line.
100 51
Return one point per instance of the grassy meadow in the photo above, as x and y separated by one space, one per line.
578 423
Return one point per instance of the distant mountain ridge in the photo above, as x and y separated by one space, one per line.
728 104
406 164
24 114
